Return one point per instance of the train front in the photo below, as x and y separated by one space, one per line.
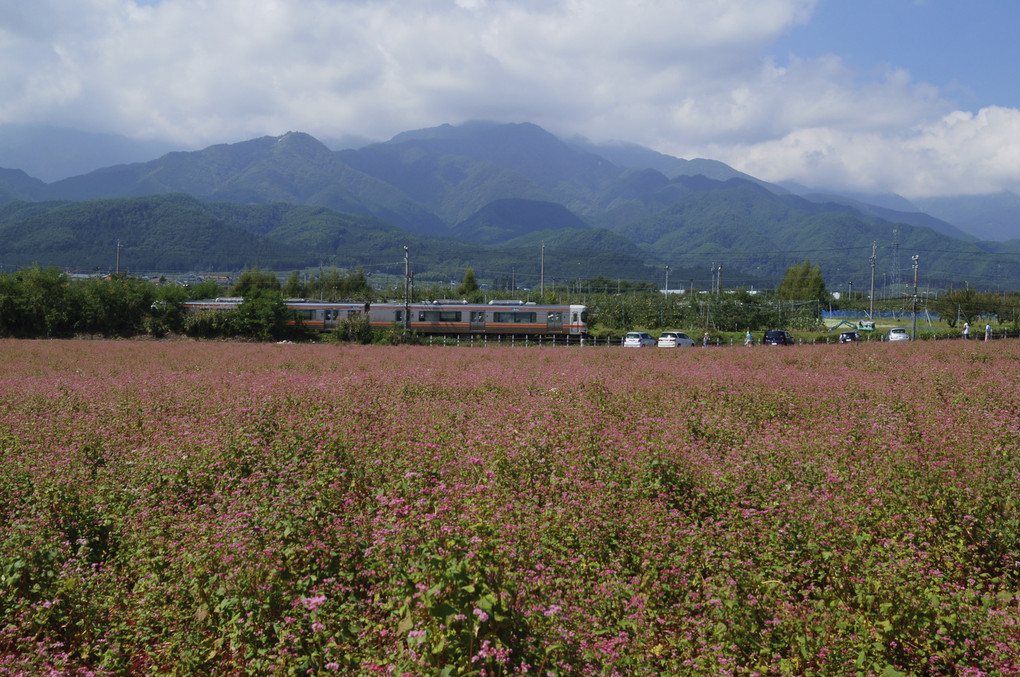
578 324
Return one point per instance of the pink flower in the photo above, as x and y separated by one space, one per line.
313 603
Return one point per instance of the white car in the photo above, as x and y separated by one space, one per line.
638 339
899 334
675 339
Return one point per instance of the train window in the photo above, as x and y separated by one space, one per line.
554 318
439 316
301 315
514 318
398 316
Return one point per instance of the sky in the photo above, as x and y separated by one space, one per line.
915 97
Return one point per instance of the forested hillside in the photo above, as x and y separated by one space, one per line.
177 233
482 195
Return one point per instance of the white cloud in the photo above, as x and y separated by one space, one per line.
198 70
683 76
959 153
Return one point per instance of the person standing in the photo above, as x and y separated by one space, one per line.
748 339
988 331
704 341
966 331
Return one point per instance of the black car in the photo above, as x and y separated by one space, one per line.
778 337
849 337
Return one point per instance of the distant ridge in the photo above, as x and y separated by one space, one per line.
503 220
53 153
480 194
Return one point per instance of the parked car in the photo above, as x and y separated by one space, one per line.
849 337
638 339
675 339
778 337
898 334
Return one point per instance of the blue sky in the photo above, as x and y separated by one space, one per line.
968 49
914 97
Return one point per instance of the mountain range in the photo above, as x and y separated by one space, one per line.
509 200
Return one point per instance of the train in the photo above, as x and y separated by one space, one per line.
446 317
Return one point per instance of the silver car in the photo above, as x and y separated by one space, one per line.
638 339
675 339
898 334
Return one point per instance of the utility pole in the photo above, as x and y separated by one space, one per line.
667 280
118 257
913 311
407 300
871 313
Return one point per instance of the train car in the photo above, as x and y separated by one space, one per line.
444 317
323 316
497 318
314 315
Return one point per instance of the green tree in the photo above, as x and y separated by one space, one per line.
328 286
117 306
254 279
964 305
356 286
468 287
803 283
739 311
206 289
262 315
36 302
332 286
293 288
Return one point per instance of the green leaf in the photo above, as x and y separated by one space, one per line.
405 625
485 602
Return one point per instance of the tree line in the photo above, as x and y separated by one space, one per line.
46 302
41 302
